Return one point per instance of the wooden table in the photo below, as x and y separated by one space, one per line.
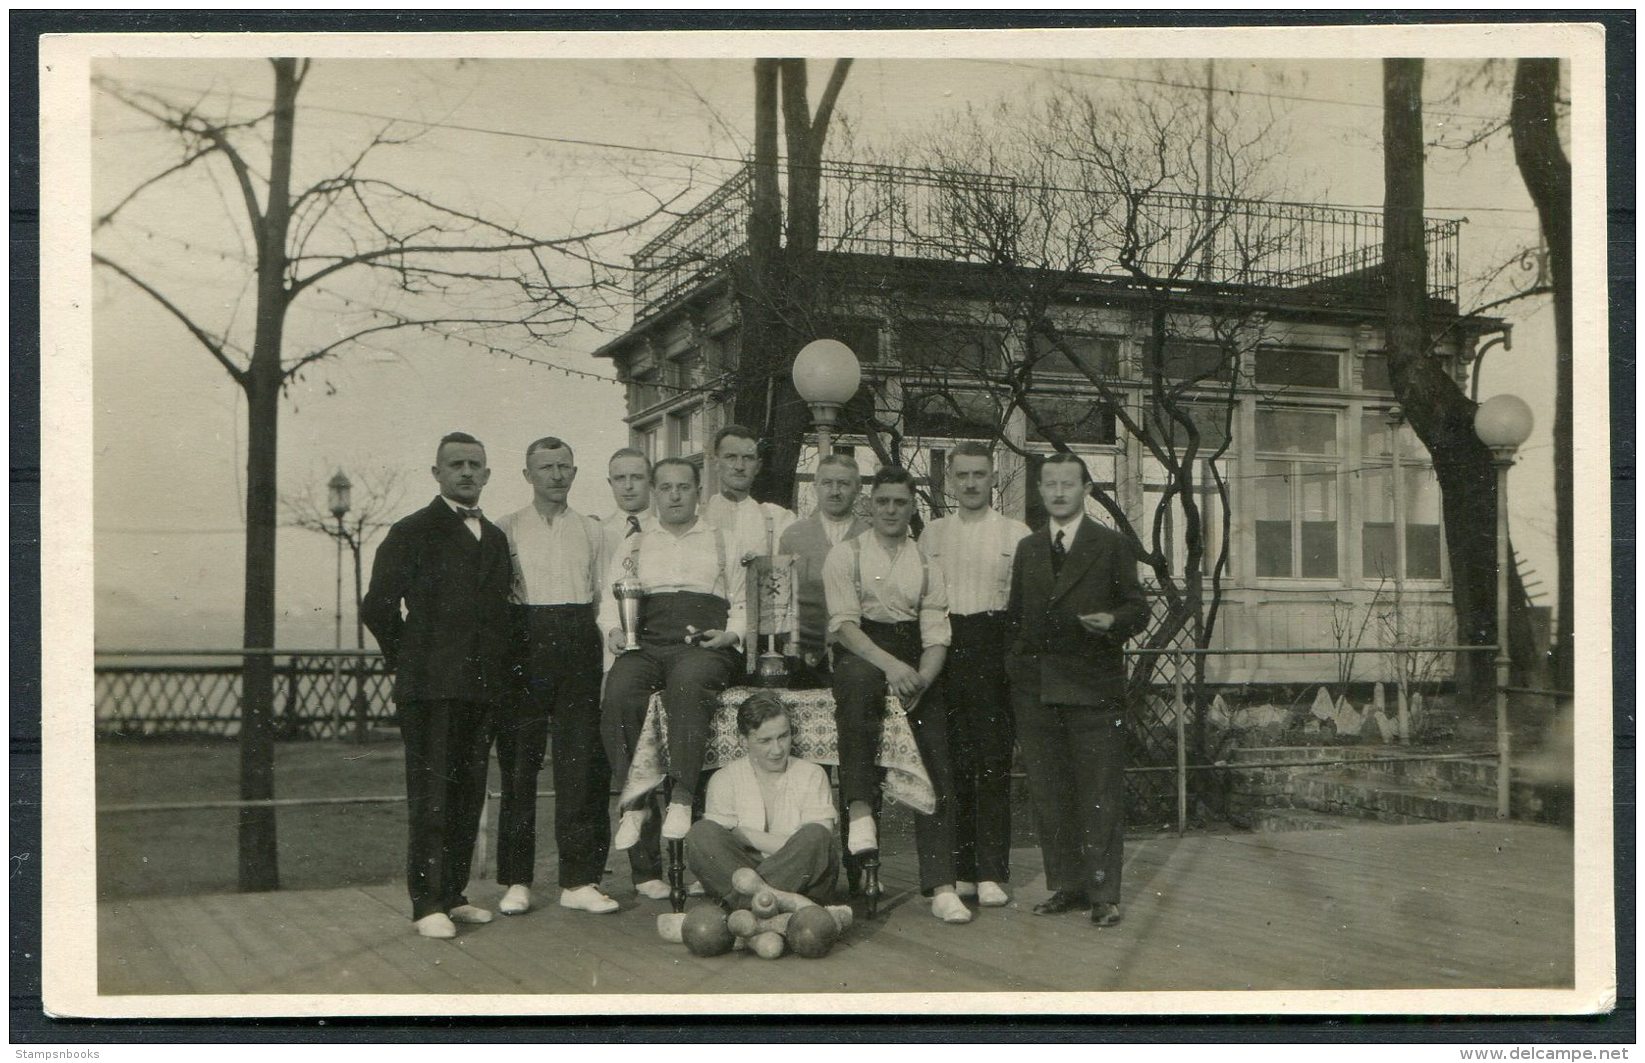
811 713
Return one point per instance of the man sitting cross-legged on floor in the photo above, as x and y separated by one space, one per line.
768 811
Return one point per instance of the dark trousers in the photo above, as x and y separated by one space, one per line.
808 863
980 736
562 695
1075 755
859 706
691 679
448 747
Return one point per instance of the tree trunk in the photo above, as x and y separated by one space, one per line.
1438 410
1547 175
758 285
258 849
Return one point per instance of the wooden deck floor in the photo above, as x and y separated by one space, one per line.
1459 905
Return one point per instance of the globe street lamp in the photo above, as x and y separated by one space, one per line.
339 492
826 374
1502 423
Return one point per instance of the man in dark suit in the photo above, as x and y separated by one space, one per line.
450 657
1074 601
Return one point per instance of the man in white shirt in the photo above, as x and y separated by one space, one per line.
837 484
556 562
692 619
756 527
888 613
974 548
628 472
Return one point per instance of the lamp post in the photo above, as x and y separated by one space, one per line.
339 493
1502 424
826 375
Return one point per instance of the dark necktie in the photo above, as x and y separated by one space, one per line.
1059 552
633 525
469 514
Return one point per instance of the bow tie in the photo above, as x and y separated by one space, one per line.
469 514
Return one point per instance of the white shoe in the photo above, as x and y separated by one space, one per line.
950 909
695 889
677 824
965 889
438 925
468 913
587 899
628 829
862 836
516 901
992 895
653 889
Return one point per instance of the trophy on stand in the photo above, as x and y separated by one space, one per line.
628 591
774 616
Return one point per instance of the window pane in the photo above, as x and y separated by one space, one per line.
1197 360
1096 355
1208 419
1375 373
1297 432
1377 531
1317 512
950 414
1273 512
939 346
1422 538
1307 369
1071 421
1377 440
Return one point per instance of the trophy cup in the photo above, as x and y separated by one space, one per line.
774 614
628 591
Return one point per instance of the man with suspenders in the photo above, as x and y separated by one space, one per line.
888 613
691 624
974 548
556 555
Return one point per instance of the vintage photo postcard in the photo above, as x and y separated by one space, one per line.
932 522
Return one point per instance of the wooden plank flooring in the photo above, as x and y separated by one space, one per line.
1369 906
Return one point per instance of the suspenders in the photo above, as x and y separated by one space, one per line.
856 571
719 550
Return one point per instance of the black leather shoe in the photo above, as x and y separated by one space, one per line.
1063 901
1105 914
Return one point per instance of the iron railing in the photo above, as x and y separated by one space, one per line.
1306 250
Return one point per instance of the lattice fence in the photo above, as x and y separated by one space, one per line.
314 697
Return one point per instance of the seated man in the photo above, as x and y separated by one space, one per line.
768 811
692 618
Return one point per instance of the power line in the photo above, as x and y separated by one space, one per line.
740 161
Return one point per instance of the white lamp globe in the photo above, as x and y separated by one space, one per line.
1503 422
827 372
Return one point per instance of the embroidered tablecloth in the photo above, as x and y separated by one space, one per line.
811 712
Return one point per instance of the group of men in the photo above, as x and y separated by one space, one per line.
503 634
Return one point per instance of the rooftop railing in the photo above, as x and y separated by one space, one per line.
1308 250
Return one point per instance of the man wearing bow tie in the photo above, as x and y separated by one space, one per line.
1074 601
449 653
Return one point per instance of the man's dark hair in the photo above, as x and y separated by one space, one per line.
972 449
696 473
760 708
734 431
550 443
1067 457
892 474
455 437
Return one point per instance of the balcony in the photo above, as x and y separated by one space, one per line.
1307 251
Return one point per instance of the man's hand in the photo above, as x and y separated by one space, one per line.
904 681
714 639
749 556
1097 623
614 641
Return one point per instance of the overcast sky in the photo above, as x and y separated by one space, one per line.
169 424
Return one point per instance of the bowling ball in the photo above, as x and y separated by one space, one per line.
705 932
812 932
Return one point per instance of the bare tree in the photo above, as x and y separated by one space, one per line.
398 261
375 500
1438 410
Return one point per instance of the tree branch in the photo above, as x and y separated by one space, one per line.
216 345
